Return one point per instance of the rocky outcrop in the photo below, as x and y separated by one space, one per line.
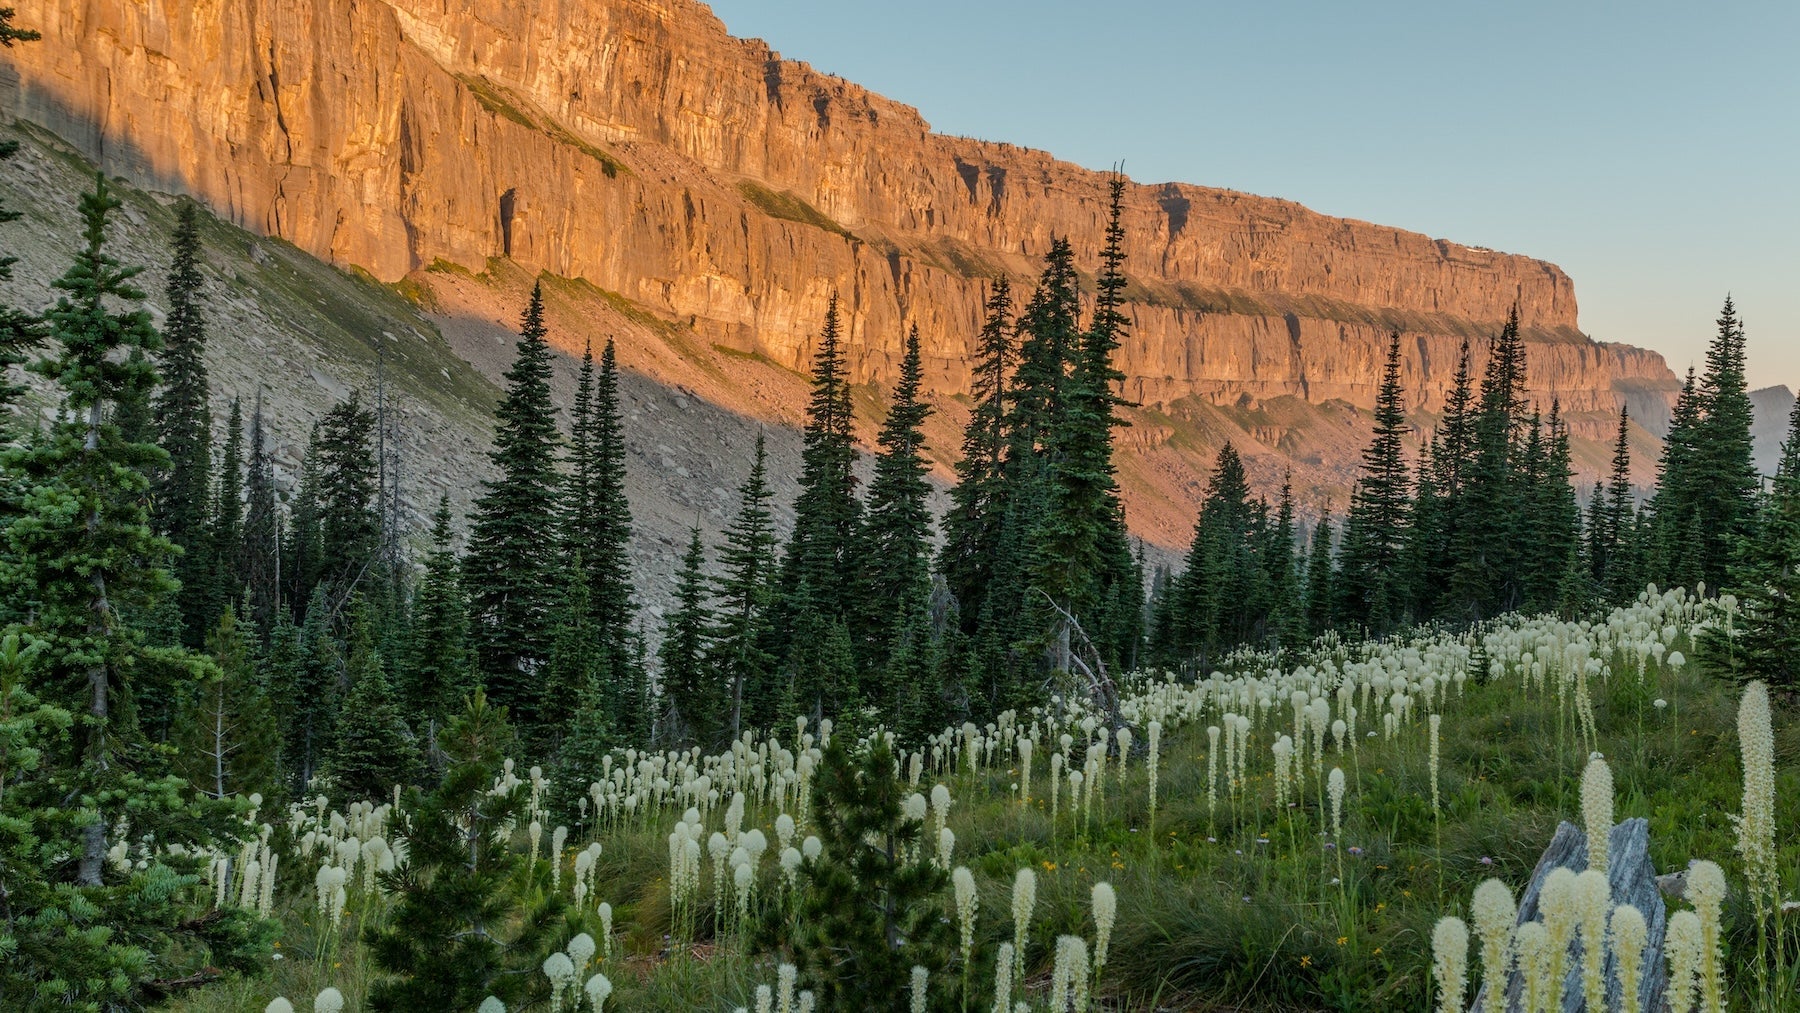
638 146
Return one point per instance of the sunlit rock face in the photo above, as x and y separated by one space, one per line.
638 146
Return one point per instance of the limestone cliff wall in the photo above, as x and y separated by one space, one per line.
634 143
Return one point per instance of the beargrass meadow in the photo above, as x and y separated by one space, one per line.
259 754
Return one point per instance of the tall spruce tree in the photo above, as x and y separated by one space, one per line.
978 502
1375 533
79 547
335 530
599 515
686 676
509 571
1081 555
819 566
373 749
1723 453
225 735
896 574
1486 537
227 522
1764 643
744 591
258 554
1216 597
1674 508
438 670
182 491
1608 522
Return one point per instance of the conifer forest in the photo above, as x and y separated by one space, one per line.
981 751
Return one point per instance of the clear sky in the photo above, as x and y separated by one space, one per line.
1650 149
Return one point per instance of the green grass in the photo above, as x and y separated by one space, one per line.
787 205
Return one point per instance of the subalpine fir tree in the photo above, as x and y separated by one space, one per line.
819 565
1609 522
306 683
1765 643
258 553
509 570
598 522
873 908
1321 582
686 676
1287 614
1080 553
344 473
1487 528
1216 595
471 916
1553 521
744 592
225 735
577 658
1724 469
1670 559
227 530
1375 533
83 931
978 502
438 672
182 422
896 574
374 749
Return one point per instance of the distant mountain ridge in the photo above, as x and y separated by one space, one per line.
704 198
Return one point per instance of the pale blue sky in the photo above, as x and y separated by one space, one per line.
1650 149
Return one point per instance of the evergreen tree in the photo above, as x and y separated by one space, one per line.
344 496
1608 521
599 520
83 931
1764 642
305 667
977 503
1554 518
258 554
1220 598
225 733
227 529
684 650
744 590
471 916
1675 506
577 658
438 674
374 749
1724 469
896 576
79 542
1375 532
510 565
182 491
1321 582
873 907
819 566
1487 529
1080 551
